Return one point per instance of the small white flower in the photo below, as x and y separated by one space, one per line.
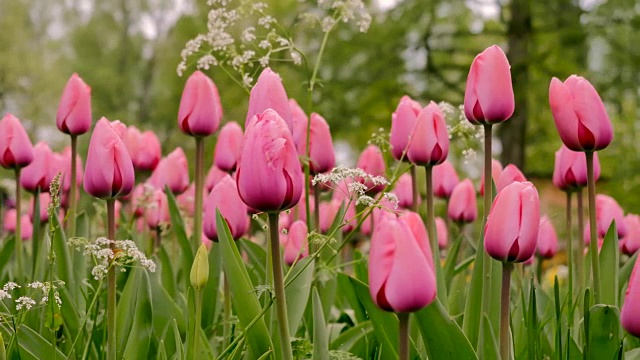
4 295
24 302
297 59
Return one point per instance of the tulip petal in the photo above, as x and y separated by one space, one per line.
564 116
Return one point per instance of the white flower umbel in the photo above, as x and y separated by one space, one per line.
24 302
126 255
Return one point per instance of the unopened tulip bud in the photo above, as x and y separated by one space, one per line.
74 111
199 275
16 150
200 108
403 121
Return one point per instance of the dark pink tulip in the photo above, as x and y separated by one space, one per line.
511 231
631 242
66 169
300 121
496 172
74 111
372 162
404 191
228 147
296 246
186 200
607 210
442 233
144 148
200 108
547 238
419 230
156 211
328 212
109 170
269 93
488 97
630 314
224 198
322 158
9 224
403 121
429 144
463 203
16 150
510 174
213 177
401 278
570 169
44 198
445 179
40 172
172 171
269 176
579 114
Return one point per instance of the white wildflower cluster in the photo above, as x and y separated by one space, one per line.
39 290
469 137
231 44
381 139
5 293
24 302
44 288
345 11
350 181
125 253
392 198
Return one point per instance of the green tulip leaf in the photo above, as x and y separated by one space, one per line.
604 332
609 260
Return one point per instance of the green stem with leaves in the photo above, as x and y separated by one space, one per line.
403 338
570 257
488 198
73 194
504 310
193 350
111 284
593 245
278 283
433 239
579 250
197 215
18 233
414 189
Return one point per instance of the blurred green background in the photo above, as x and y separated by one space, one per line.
128 50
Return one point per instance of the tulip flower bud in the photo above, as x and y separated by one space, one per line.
297 245
510 174
40 172
214 175
496 172
269 176
511 231
16 150
419 230
607 210
269 93
228 147
200 108
445 179
322 157
401 278
172 171
224 198
463 206
9 224
630 314
109 170
372 162
442 233
429 144
328 212
631 242
74 111
547 238
144 148
404 191
156 211
199 275
579 114
403 121
488 97
186 200
570 169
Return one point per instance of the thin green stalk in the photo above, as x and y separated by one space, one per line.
403 338
197 215
73 194
111 285
488 189
593 246
316 207
570 258
433 239
84 322
18 233
414 189
504 311
193 340
278 281
226 319
579 250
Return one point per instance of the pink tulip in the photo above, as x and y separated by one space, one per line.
172 171
74 111
403 121
404 191
488 97
144 148
419 230
510 174
547 238
16 150
608 210
109 170
511 231
44 198
463 203
186 200
296 246
269 93
445 179
631 242
372 162
156 211
496 172
300 121
140 198
630 314
40 172
579 114
269 176
228 147
213 177
442 233
570 169
401 278
328 212
200 108
429 144
9 224
66 169
322 158
225 199
384 209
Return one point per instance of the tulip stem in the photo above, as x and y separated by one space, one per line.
433 240
226 327
414 188
570 257
593 245
504 311
111 286
278 283
579 250
18 233
316 207
487 261
73 194
193 341
197 213
403 345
